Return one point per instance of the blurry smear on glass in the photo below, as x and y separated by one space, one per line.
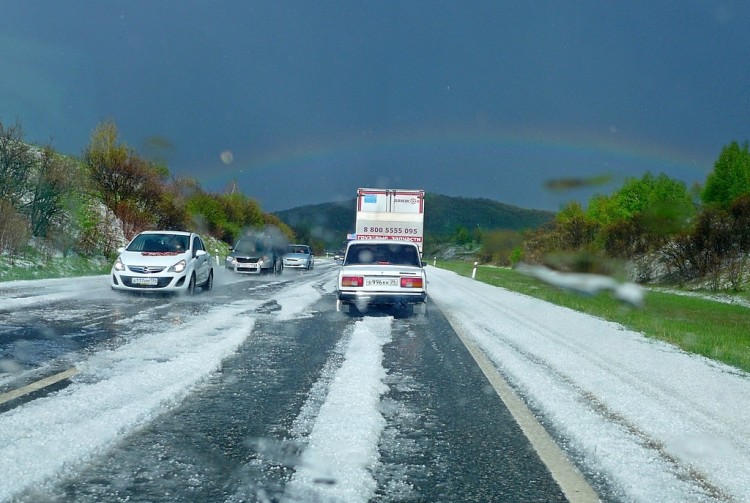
585 275
562 184
9 366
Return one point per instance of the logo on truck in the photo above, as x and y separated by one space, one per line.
413 200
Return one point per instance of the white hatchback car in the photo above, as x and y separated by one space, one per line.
163 261
381 273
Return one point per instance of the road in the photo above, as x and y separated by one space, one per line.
257 391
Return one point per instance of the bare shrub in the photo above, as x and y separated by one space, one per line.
14 229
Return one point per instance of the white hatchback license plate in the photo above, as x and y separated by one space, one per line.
145 281
381 281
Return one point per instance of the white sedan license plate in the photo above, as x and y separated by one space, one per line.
144 281
381 282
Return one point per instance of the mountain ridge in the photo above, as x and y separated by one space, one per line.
332 221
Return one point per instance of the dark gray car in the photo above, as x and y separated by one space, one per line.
255 255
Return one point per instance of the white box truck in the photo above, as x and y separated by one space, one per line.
390 214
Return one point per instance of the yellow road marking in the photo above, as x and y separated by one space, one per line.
571 481
37 385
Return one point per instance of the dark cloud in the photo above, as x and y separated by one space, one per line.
303 102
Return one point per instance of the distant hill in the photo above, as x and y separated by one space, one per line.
443 215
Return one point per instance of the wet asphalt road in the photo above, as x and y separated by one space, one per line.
447 438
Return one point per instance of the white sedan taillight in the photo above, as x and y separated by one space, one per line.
412 282
352 281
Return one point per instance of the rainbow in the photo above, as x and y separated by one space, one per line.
569 145
527 169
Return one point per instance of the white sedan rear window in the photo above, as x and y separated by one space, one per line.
384 254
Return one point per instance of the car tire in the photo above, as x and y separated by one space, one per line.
278 268
209 284
345 308
191 285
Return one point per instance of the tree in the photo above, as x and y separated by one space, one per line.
13 228
96 228
600 209
242 212
462 236
498 246
172 214
16 161
651 194
105 160
207 214
49 186
730 177
641 214
575 228
275 222
127 184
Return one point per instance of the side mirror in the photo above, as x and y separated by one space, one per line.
200 253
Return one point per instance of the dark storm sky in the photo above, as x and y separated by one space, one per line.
304 101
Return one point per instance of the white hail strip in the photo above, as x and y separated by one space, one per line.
116 392
343 444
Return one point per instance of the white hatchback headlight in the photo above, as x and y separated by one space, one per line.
179 266
119 266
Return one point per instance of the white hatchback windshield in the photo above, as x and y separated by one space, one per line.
159 243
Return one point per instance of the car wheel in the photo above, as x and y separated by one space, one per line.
209 284
420 310
278 268
191 286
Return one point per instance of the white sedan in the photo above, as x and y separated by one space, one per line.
381 273
299 257
163 261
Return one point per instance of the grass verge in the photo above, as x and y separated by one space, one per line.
56 267
32 264
702 326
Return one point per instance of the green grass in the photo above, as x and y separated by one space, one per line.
713 329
